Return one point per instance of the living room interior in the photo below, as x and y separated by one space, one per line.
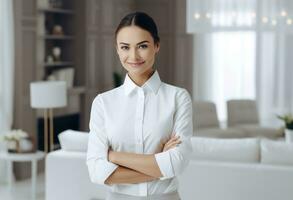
233 57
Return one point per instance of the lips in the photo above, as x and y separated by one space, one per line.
135 64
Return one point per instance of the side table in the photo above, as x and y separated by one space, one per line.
25 157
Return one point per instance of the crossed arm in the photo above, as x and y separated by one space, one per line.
137 168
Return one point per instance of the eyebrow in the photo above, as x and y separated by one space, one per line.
145 41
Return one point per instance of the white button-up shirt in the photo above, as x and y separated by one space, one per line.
137 119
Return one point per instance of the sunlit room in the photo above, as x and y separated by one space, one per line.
146 99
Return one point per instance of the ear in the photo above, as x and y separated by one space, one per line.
157 47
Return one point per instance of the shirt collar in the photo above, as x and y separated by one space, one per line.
153 83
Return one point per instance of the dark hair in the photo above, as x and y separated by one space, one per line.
141 20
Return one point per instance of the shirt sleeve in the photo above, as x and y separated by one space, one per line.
175 160
97 154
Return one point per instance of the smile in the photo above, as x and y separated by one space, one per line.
135 64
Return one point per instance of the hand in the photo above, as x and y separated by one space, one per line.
171 143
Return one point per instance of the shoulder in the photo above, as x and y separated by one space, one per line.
178 92
109 95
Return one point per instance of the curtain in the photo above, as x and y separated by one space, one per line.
224 63
6 73
275 76
266 28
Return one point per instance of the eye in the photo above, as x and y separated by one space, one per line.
124 47
143 46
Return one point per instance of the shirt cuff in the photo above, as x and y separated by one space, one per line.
165 165
102 170
109 169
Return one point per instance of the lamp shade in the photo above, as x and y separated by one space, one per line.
48 94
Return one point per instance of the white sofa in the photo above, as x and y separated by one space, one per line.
227 170
67 177
221 169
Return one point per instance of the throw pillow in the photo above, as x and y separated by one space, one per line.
219 149
71 140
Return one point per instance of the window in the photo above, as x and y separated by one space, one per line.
233 68
224 67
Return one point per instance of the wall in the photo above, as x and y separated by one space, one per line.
174 61
97 59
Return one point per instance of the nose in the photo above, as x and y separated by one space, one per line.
133 54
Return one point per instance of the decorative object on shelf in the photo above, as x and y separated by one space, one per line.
48 95
19 141
44 4
51 78
56 51
57 30
56 3
288 120
50 59
66 75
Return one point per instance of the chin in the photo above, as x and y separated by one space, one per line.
137 71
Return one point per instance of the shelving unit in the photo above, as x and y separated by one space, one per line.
58 64
57 10
56 39
57 32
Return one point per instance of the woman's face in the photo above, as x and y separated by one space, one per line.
136 50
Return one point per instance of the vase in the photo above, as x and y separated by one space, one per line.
13 146
21 146
289 135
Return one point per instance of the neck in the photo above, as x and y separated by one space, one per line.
139 80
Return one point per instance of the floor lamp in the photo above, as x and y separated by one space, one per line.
48 95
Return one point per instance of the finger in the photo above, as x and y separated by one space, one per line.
176 137
171 140
170 147
175 143
172 144
172 136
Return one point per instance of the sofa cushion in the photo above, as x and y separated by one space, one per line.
205 115
237 150
219 133
276 152
71 140
242 111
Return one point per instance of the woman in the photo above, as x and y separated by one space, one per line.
139 132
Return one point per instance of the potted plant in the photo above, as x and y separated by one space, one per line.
117 79
288 120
